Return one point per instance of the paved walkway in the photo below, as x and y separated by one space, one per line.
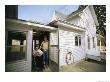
85 66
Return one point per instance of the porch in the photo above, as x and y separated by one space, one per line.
21 38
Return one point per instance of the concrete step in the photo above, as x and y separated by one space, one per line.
97 58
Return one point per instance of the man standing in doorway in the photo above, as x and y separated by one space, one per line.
44 46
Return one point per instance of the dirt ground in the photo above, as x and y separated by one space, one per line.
85 66
82 66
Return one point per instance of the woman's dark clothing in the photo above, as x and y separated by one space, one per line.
39 62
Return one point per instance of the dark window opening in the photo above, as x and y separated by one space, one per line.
16 46
78 40
93 42
88 43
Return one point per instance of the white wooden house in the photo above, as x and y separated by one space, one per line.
77 33
72 38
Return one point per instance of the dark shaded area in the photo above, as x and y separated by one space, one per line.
17 51
100 11
38 35
54 66
102 62
11 11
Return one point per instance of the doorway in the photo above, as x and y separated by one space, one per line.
38 38
16 47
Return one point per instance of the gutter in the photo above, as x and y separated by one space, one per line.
29 24
69 25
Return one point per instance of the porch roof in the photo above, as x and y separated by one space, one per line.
29 24
68 24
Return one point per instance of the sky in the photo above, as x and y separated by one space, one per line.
43 13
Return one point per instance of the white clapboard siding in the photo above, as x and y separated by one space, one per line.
54 54
78 53
53 49
86 20
67 42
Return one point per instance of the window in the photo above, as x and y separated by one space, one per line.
78 40
16 46
93 42
88 43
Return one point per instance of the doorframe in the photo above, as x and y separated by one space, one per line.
57 30
28 48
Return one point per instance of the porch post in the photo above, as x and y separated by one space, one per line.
100 44
29 48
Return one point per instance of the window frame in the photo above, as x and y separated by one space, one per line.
93 39
88 40
78 42
24 44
